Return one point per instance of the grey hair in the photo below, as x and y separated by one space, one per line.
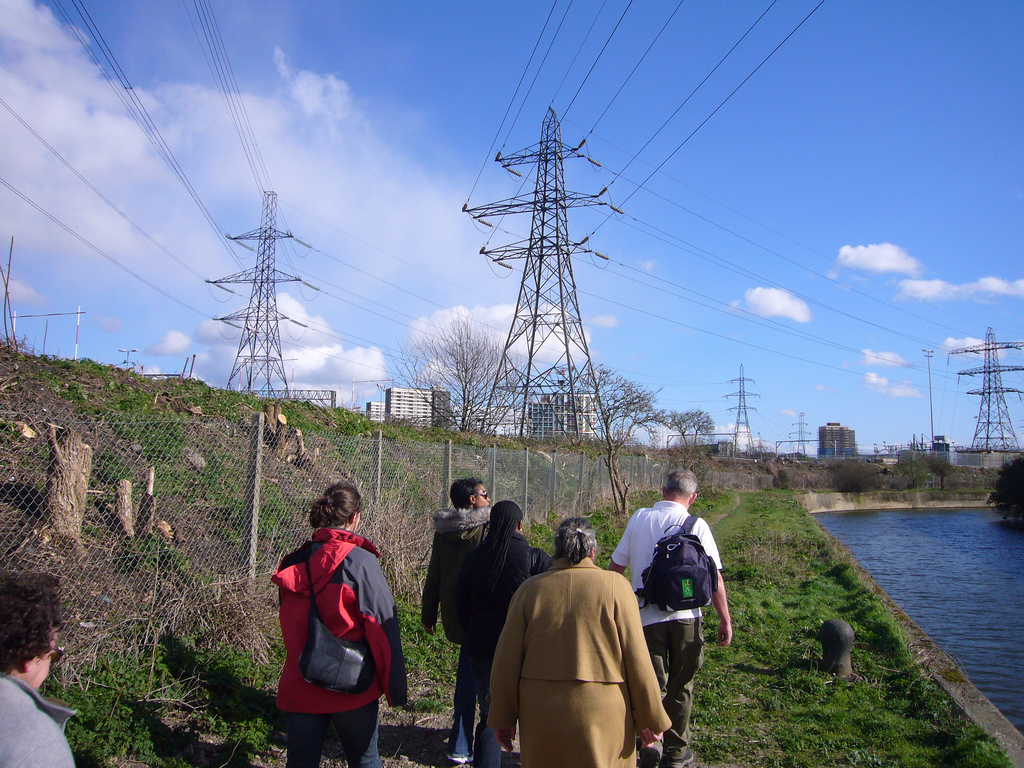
575 539
680 482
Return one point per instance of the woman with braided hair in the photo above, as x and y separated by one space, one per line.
340 569
571 667
490 575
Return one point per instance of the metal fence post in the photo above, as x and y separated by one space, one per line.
554 481
380 462
491 480
526 483
447 473
579 490
253 489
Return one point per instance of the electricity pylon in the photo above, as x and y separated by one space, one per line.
801 433
554 393
994 430
258 361
742 421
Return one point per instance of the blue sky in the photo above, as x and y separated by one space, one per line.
858 199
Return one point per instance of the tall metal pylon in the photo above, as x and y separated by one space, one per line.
554 393
801 433
994 430
258 362
742 421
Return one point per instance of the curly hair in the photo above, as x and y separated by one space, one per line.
29 615
575 539
337 506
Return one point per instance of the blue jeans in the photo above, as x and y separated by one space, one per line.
357 731
488 751
460 740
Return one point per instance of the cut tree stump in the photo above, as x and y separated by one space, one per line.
123 507
67 482
147 505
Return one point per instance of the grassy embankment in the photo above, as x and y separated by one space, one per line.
761 702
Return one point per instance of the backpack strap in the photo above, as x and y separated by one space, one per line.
691 520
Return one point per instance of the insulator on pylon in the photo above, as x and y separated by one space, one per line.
580 145
595 162
465 206
617 210
603 190
502 264
307 245
598 253
585 240
513 170
497 157
485 222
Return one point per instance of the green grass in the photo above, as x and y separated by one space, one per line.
764 701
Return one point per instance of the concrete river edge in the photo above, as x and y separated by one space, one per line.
941 667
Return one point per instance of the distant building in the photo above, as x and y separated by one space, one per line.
374 410
836 440
421 407
551 415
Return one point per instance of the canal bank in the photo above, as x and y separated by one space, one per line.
941 666
849 502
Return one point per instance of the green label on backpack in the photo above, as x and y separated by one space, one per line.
687 587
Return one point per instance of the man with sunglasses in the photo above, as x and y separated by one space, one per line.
32 728
457 531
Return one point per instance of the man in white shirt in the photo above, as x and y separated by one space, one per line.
675 639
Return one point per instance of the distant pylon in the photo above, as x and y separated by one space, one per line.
994 430
801 434
259 362
555 396
742 421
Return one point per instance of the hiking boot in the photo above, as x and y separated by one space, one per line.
650 757
679 760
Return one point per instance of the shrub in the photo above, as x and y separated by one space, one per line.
1008 497
855 477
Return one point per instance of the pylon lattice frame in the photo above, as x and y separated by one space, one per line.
554 393
742 420
259 361
994 430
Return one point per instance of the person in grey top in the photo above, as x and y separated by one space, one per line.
32 728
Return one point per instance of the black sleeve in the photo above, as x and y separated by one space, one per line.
540 561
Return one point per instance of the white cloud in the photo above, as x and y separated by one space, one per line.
885 359
788 413
172 343
318 95
775 302
108 324
823 388
950 344
884 386
604 321
24 294
980 290
881 258
648 266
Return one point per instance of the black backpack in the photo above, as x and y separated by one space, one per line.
681 576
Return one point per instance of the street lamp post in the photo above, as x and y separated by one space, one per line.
127 356
931 413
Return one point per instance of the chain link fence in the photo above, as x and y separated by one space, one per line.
176 524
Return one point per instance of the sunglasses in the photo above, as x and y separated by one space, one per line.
482 493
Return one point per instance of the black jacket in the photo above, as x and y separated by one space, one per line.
482 611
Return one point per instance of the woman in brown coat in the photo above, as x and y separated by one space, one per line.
572 667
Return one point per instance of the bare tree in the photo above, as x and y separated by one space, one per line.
460 357
690 424
624 408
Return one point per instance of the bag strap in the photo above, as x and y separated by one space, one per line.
312 593
691 520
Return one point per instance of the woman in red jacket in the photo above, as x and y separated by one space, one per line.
355 603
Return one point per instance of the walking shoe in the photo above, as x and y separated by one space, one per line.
679 760
460 759
649 757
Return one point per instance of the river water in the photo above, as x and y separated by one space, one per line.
960 575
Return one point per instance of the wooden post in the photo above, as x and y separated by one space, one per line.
67 482
123 507
253 488
147 506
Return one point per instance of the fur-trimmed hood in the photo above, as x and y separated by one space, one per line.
456 520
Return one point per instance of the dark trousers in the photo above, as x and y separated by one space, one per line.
460 739
357 731
677 652
487 753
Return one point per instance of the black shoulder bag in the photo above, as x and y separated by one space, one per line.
331 662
